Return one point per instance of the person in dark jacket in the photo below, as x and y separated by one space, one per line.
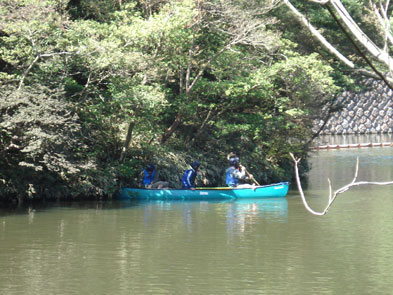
188 180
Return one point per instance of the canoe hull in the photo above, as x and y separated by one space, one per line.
277 190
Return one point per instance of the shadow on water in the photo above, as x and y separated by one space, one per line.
270 208
260 207
26 208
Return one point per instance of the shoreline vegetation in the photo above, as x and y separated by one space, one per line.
92 91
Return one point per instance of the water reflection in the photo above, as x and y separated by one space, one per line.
244 214
272 209
238 215
375 164
211 247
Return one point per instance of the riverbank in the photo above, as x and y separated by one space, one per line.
324 142
355 145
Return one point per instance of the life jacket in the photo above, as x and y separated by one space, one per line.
188 180
229 179
148 179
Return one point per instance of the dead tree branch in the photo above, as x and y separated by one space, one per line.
354 34
332 196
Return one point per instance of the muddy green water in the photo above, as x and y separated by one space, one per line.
244 247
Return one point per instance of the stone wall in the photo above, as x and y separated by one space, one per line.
364 113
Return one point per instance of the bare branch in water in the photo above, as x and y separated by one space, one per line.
332 196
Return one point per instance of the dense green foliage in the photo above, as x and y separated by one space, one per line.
91 91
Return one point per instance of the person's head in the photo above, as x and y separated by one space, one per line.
234 162
195 165
150 168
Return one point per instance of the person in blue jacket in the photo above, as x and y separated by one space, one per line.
188 180
149 177
235 173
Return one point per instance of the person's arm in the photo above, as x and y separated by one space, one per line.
243 172
155 178
239 174
188 179
184 179
140 179
193 179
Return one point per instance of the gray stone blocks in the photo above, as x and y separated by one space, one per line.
367 112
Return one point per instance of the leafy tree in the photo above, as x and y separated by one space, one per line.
41 148
226 25
31 47
91 91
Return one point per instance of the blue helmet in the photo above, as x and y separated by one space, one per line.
195 165
234 161
150 167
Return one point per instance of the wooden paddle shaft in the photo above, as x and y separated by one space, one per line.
250 176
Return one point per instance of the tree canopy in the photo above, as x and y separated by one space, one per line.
91 91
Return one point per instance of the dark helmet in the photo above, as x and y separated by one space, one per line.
234 161
150 167
195 165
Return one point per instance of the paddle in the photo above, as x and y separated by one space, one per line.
250 176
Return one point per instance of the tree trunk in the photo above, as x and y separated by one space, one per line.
168 133
127 142
188 87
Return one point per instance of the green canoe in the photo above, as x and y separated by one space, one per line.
276 190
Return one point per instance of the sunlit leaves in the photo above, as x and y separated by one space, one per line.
131 64
30 29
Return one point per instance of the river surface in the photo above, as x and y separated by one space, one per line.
235 247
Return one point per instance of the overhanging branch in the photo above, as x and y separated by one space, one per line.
332 196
